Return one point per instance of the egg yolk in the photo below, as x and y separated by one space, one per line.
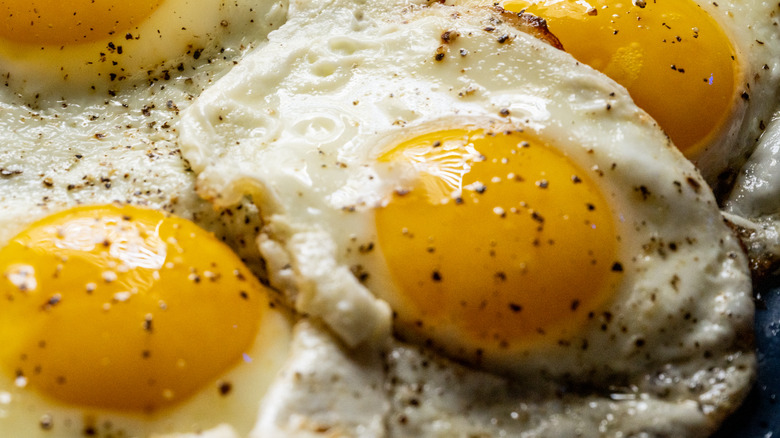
674 59
123 308
502 242
72 21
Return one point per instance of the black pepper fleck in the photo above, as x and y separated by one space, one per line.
224 388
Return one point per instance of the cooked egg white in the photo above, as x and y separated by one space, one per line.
436 168
326 388
752 207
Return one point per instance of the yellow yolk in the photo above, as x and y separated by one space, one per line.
502 242
673 58
123 308
72 21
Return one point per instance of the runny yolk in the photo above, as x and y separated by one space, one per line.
123 308
502 242
70 22
671 55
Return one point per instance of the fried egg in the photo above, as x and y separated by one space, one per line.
86 46
122 320
707 72
436 169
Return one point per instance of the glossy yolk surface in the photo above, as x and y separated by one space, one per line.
123 308
673 58
70 22
502 242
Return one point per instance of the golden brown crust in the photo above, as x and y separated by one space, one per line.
530 24
764 263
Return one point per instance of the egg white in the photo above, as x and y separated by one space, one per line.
751 204
325 388
300 135
752 207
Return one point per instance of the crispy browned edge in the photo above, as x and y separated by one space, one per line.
530 24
